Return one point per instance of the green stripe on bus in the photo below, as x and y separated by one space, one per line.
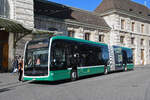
60 74
91 70
130 66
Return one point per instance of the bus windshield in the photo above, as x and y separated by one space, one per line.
36 57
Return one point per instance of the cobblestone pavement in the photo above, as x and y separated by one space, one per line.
8 79
130 85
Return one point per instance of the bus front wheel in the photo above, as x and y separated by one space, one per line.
74 75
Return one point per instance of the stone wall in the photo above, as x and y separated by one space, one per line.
24 12
20 46
45 23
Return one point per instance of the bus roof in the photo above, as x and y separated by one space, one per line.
122 47
77 40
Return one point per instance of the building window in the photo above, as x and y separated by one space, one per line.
121 39
4 8
142 41
122 24
132 40
142 28
101 38
133 25
87 36
71 33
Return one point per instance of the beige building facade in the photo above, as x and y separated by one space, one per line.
132 33
130 26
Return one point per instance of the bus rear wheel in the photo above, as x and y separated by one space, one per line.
74 75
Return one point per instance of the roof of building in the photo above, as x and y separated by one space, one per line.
125 5
13 26
54 10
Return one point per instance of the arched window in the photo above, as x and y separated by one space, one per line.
4 8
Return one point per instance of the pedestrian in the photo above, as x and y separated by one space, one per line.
20 68
15 64
38 62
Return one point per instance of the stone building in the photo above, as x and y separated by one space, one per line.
115 22
16 21
130 26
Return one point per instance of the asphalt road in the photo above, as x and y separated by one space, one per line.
130 85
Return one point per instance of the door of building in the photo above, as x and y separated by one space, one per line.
4 50
142 56
5 56
1 54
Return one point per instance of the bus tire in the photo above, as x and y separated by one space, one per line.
105 70
74 75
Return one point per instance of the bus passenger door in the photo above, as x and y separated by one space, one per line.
59 57
124 54
118 58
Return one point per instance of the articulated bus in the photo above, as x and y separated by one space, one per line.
61 57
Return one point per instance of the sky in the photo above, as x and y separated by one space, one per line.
90 5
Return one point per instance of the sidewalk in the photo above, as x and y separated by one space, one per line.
8 79
141 66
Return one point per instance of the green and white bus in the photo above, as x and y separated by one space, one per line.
61 57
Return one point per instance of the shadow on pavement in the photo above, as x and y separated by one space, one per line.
69 81
5 89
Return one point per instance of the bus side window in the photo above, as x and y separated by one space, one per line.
130 56
68 54
90 55
105 55
58 55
